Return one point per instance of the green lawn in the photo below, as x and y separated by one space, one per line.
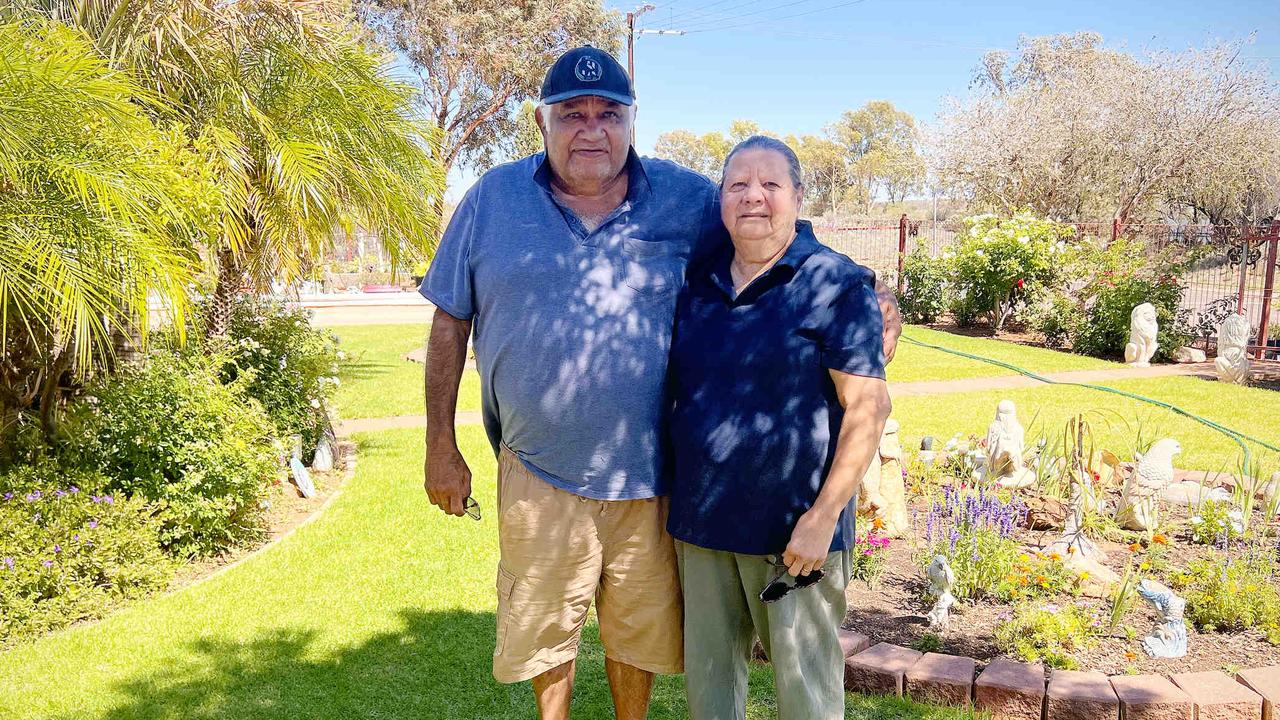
381 608
376 379
913 363
1119 420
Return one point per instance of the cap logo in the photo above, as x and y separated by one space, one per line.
588 69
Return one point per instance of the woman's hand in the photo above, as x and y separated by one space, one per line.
810 542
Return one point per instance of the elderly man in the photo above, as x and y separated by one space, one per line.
568 264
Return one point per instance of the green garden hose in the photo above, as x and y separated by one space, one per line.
1235 435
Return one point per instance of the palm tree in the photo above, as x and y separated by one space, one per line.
98 211
304 124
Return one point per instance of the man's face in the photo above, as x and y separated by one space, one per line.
587 139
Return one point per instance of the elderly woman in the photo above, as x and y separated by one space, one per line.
779 400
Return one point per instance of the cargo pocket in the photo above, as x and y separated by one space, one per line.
506 585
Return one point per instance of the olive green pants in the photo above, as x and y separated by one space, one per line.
722 616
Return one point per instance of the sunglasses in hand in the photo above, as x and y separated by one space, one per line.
778 587
471 508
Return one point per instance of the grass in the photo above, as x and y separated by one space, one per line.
383 607
913 363
376 379
1120 422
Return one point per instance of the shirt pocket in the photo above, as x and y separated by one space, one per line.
652 269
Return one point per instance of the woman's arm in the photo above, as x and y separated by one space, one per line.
866 408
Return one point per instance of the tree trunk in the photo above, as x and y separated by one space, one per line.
230 284
49 395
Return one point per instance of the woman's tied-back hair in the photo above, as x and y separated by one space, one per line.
762 142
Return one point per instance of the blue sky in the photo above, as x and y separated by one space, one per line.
795 75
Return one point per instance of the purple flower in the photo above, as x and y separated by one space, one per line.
59 494
107 499
57 548
8 562
73 489
33 496
76 537
47 563
8 496
93 524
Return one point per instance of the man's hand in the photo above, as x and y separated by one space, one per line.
447 479
892 319
810 543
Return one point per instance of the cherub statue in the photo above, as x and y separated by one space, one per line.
1143 329
941 580
1005 448
1169 638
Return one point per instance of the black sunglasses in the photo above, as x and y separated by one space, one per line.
471 508
778 587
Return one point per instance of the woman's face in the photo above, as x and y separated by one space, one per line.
757 198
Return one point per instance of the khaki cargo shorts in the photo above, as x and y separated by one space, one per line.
559 551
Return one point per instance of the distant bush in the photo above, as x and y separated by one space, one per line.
1105 329
69 549
173 434
924 298
285 364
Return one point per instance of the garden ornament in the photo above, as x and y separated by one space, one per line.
884 486
941 580
1005 447
927 455
1233 363
1169 638
323 460
1143 329
1141 499
1074 543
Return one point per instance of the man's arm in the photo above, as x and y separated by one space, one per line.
447 477
866 408
888 303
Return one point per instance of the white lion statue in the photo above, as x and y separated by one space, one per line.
1143 329
1232 363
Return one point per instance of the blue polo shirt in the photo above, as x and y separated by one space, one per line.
755 415
572 328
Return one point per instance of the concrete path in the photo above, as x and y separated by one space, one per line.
896 390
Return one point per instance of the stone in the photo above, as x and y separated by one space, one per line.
1266 682
1186 355
1010 690
1151 697
1169 638
1044 513
1143 329
1233 364
1140 502
893 483
1077 695
1190 493
852 643
941 580
1218 697
1096 580
1074 544
942 680
1006 445
879 670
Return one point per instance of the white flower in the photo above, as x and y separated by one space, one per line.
1196 519
282 363
335 380
979 253
315 403
342 355
1023 239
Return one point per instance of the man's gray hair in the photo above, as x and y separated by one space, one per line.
763 142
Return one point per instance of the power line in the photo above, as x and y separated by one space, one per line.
696 12
728 18
784 17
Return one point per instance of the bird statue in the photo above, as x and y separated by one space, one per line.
1153 472
1143 329
941 579
1005 445
1169 638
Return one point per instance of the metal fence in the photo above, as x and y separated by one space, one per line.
1234 269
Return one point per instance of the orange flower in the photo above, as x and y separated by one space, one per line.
1134 547
877 524
1159 539
1130 655
1022 580
1054 556
1041 579
1071 549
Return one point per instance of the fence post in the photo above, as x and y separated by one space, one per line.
1244 272
1115 229
902 251
1267 293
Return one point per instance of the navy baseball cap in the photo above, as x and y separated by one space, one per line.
587 71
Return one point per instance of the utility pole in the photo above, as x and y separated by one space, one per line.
631 39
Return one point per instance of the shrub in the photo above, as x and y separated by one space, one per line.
173 434
1105 329
1217 524
69 550
870 553
925 295
1232 594
1058 319
286 365
974 532
1047 633
1001 262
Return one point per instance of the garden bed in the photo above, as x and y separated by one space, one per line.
893 609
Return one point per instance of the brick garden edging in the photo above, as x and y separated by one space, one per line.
1011 690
